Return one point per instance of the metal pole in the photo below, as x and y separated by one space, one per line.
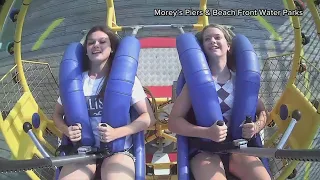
157 26
135 30
253 151
287 133
27 127
38 144
181 30
65 160
180 27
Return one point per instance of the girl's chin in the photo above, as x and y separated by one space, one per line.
214 54
97 60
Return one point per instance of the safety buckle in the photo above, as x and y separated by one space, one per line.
83 150
105 151
240 143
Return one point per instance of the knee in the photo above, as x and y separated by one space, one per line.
243 162
248 167
77 171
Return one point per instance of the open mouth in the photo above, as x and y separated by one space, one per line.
96 52
214 47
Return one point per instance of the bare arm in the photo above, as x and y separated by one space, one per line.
145 120
262 116
58 119
177 122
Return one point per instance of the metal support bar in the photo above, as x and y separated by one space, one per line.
181 30
296 116
312 155
38 145
292 154
135 30
65 160
27 127
157 26
287 134
180 27
253 151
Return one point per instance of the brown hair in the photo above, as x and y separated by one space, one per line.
114 40
228 34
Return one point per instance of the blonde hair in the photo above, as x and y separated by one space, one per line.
229 35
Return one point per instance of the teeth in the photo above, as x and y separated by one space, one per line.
96 51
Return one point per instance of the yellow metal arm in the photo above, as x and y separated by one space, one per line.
298 43
112 20
202 20
4 12
17 44
111 16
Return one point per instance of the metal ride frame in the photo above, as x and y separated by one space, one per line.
301 102
28 98
285 127
24 108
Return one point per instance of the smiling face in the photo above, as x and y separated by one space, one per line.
98 47
214 43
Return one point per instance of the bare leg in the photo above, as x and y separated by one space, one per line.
78 171
118 166
248 168
207 166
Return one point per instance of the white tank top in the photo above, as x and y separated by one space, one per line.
91 88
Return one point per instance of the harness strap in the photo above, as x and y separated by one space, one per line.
211 146
67 149
73 149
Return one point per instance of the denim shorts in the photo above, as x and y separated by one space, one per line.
128 152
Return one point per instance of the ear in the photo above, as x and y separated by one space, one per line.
229 48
